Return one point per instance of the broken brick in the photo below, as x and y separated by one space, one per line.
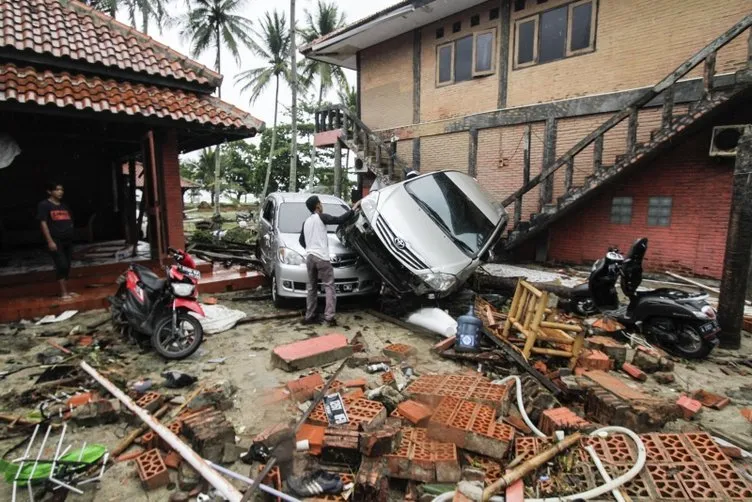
151 401
664 378
445 344
689 407
208 432
380 442
732 452
431 389
515 492
272 434
641 414
541 367
414 411
370 483
561 419
423 459
101 411
304 388
355 394
594 360
651 360
711 400
357 382
152 470
341 446
81 399
315 436
357 360
316 351
746 413
613 349
634 372
519 424
399 351
172 459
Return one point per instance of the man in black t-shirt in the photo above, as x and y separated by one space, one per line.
56 223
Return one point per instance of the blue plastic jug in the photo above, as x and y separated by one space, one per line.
468 328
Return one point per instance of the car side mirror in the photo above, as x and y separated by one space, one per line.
487 256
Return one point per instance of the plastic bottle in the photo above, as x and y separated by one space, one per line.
468 328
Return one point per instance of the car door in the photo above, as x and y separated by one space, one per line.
266 231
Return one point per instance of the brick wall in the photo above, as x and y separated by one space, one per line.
637 43
449 151
452 100
387 83
694 242
172 203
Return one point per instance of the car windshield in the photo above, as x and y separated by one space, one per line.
293 214
454 211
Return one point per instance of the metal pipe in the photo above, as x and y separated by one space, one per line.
264 488
221 484
604 474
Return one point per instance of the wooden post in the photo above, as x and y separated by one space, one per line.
598 154
568 175
132 225
337 169
736 261
708 74
632 131
667 115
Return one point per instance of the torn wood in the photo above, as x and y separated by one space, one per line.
130 438
699 285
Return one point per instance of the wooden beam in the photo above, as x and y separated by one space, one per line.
472 156
632 130
598 154
708 74
667 114
549 156
505 22
417 50
568 175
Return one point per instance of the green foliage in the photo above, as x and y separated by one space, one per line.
145 11
240 235
202 237
324 20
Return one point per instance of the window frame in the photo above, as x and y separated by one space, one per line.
451 64
631 210
519 22
492 69
516 65
570 19
670 211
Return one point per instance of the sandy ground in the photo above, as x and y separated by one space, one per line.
247 353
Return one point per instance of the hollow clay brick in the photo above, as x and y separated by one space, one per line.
152 470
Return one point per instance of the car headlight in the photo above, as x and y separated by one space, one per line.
368 206
439 281
290 257
182 289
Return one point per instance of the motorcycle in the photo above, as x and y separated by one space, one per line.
146 306
682 323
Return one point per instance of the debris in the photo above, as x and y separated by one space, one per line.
101 411
420 330
414 411
562 419
746 413
381 442
650 360
341 447
151 401
304 387
218 318
664 378
142 386
710 400
152 470
311 352
51 318
699 285
399 351
208 431
221 484
375 368
423 459
130 438
370 483
58 347
431 389
634 372
445 344
314 435
613 349
594 360
689 407
608 324
177 379
434 320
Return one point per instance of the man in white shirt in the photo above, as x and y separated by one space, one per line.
315 240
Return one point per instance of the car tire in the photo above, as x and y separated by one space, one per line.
278 301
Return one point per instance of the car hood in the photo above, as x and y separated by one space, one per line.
290 241
421 235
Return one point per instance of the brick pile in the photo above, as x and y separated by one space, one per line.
431 389
423 459
364 414
562 419
209 430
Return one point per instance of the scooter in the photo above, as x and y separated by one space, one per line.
682 323
146 306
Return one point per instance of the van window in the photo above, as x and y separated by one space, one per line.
268 213
293 214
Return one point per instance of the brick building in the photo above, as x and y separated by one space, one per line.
590 119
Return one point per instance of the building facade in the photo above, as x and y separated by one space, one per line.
503 89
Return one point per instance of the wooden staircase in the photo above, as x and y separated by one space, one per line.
376 155
672 128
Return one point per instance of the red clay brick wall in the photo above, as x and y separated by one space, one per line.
386 80
637 43
696 239
173 201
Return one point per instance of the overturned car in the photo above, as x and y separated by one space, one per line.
426 235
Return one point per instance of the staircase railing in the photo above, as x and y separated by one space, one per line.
665 86
377 156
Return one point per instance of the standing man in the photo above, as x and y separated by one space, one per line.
56 223
315 240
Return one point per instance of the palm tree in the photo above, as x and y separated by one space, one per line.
272 44
348 97
212 25
325 20
148 9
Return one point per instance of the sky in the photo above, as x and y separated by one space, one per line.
263 108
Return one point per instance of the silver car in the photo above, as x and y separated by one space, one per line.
427 235
281 221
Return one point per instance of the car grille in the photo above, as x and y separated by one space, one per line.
345 261
388 237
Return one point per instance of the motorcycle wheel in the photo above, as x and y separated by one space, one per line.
689 343
583 307
180 344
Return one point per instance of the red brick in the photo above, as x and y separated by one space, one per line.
315 436
690 407
563 419
150 401
516 492
172 459
445 344
423 459
357 382
152 470
399 351
746 413
304 388
711 400
311 352
414 411
81 398
594 360
357 393
747 326
634 372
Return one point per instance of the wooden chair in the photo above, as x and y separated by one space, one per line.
526 319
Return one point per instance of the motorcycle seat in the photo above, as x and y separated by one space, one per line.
150 280
581 290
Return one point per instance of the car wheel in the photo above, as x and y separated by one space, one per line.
279 301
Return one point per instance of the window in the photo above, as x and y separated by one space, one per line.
292 215
621 210
659 211
519 5
457 27
494 14
268 213
440 33
475 20
556 33
467 57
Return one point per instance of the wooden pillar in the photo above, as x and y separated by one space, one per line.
549 157
736 261
132 224
172 202
337 169
505 23
472 157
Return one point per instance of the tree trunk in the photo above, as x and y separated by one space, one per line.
274 141
313 155
294 71
145 19
217 152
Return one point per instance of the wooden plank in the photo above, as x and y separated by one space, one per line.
561 325
531 288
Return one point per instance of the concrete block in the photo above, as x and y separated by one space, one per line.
311 352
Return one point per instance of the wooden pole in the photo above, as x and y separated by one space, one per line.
738 247
528 466
337 169
130 438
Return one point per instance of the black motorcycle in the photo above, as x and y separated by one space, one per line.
682 323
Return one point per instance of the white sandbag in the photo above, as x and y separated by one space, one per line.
434 319
218 318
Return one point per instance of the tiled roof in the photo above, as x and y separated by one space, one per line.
63 90
66 28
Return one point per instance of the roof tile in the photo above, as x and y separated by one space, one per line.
28 85
69 28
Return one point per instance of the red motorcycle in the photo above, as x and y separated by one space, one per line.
146 306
